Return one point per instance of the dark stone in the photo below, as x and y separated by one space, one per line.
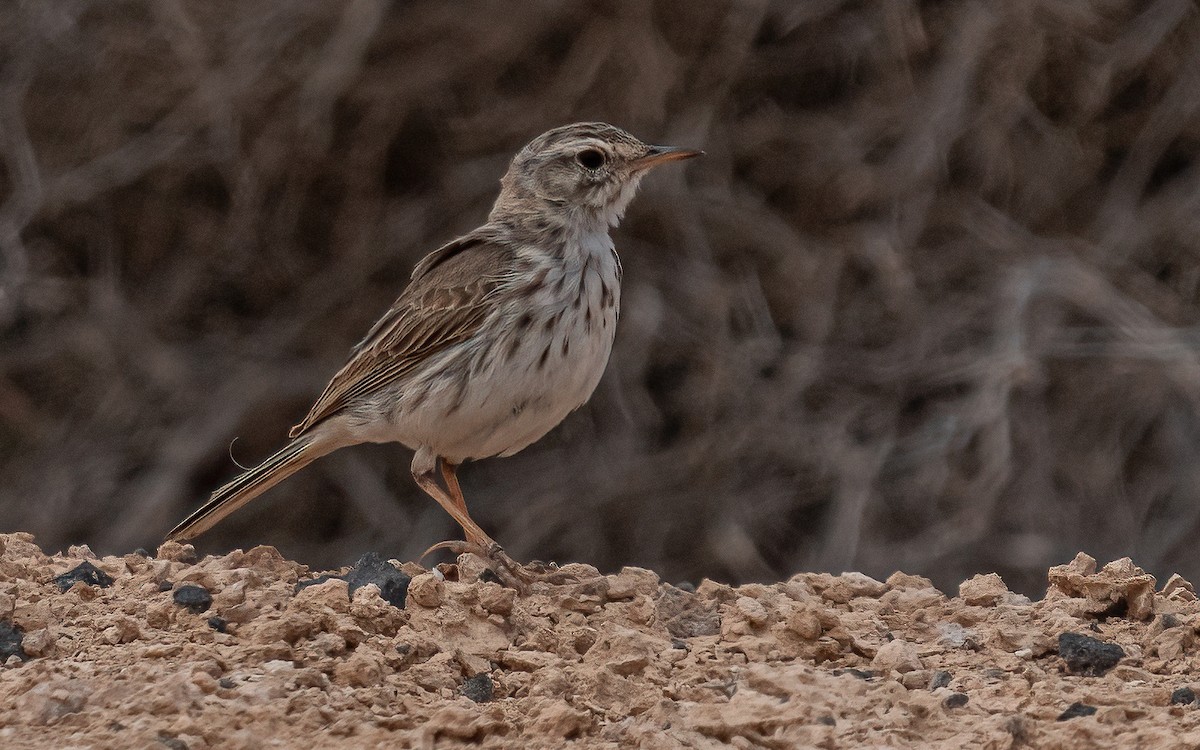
1075 710
489 576
862 674
1183 696
142 552
479 688
956 700
195 598
165 585
1087 656
687 586
218 624
85 572
676 643
940 679
371 568
1169 620
227 683
827 720
173 743
11 636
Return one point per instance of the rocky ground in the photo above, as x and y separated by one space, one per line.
252 650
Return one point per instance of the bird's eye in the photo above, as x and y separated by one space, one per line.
590 158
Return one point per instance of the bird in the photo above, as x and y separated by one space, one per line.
498 336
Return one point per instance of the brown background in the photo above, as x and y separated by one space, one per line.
929 303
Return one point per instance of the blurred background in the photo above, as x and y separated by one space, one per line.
930 302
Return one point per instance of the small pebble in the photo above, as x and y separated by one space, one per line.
184 553
940 679
805 623
426 590
172 743
479 688
85 572
983 590
753 610
11 636
1183 696
956 700
195 598
1085 655
898 655
371 568
39 642
165 585
1076 710
218 624
496 600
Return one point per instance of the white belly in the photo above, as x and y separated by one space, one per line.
492 395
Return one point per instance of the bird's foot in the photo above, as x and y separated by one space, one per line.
509 571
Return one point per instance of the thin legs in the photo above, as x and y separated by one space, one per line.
478 542
454 504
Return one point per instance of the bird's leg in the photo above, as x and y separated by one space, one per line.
478 542
450 475
494 551
457 510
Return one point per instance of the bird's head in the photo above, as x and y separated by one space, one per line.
588 170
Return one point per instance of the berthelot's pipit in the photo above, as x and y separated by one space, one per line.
499 335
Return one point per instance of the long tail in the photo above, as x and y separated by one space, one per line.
245 487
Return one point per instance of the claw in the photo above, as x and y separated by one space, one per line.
509 571
455 546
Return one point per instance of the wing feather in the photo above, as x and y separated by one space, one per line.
449 298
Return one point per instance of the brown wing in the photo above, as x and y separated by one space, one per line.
448 299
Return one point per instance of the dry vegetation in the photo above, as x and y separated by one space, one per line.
930 302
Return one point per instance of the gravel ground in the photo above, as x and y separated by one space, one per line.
253 650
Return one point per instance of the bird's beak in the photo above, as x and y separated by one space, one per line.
663 154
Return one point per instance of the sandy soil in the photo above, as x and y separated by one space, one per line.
170 651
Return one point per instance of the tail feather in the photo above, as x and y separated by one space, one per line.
249 485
